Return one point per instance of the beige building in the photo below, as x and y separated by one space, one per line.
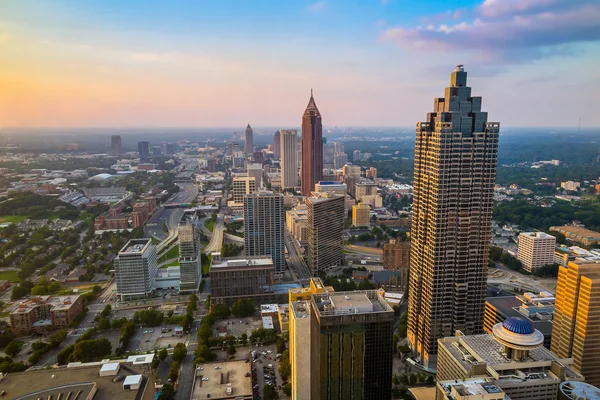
42 313
396 255
242 186
296 221
575 331
325 226
361 215
470 389
375 201
364 188
223 380
371 173
578 234
570 186
289 158
456 152
352 171
255 171
332 187
535 249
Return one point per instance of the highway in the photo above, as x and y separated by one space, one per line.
216 241
296 261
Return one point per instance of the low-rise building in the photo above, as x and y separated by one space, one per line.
223 380
578 234
43 313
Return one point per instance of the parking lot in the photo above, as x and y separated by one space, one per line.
265 370
237 326
149 339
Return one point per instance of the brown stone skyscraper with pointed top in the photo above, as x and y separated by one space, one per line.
249 141
456 152
312 148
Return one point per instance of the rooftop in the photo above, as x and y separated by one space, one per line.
538 235
577 231
215 383
579 390
234 262
301 309
355 302
57 303
510 306
471 387
136 246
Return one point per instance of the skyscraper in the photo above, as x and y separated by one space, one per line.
312 148
289 161
144 149
264 220
455 167
277 145
576 320
249 143
135 269
325 226
115 146
241 186
189 252
255 171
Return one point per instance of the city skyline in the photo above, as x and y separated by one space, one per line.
179 64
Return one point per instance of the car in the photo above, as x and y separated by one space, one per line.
247 374
218 367
204 379
148 341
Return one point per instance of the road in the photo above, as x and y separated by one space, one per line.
296 261
216 241
514 278
171 216
364 250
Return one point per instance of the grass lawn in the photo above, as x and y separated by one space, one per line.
9 276
209 224
13 218
173 253
206 266
154 240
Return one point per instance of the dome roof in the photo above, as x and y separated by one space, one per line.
520 326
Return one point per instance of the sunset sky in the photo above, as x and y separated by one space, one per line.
112 63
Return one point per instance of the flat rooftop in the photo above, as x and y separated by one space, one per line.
509 306
355 302
57 303
230 375
135 246
188 217
577 232
539 235
301 309
472 387
234 262
32 385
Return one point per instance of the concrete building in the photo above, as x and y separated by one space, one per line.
512 358
339 346
296 221
396 255
352 171
223 380
570 186
325 227
312 148
116 149
135 269
249 141
578 234
277 145
289 158
375 201
455 167
339 160
243 186
535 249
189 252
331 187
575 332
364 188
255 171
371 173
470 389
264 220
361 215
40 314
144 149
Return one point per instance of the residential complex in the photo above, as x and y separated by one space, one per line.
312 148
39 314
264 221
242 186
135 269
249 141
189 252
361 215
535 249
325 225
576 324
289 158
455 168
512 358
340 344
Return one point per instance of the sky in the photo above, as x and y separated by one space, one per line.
226 63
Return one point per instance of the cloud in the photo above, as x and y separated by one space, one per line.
316 7
380 22
509 31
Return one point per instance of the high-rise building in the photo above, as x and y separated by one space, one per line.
455 167
396 255
255 171
356 155
361 215
157 151
339 160
115 146
144 149
312 147
352 171
340 345
264 224
325 227
332 187
338 147
189 252
249 141
277 145
535 249
167 149
135 269
364 188
575 332
512 358
289 161
371 173
328 155
241 186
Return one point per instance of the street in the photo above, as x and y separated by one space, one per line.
296 262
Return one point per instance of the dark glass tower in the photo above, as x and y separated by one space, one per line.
249 141
456 151
312 148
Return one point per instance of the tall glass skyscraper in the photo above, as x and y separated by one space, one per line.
189 252
455 168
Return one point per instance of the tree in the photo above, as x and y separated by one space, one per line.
54 287
62 358
13 348
150 317
244 339
179 352
280 345
155 361
163 354
269 392
204 354
167 392
106 311
287 389
19 292
285 368
243 308
91 350
365 285
174 371
231 350
103 324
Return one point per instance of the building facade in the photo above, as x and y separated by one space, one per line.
289 158
136 269
42 313
312 148
116 149
576 321
455 167
255 171
277 145
361 215
243 186
189 252
365 188
535 249
324 228
396 255
249 141
264 224
144 149
332 187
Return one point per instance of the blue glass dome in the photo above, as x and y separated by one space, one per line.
520 326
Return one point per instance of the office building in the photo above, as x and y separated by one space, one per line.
570 186
249 141
135 269
296 222
189 252
535 249
40 314
167 149
144 149
157 151
575 329
242 186
361 215
340 345
289 158
116 149
470 389
396 255
455 168
237 278
255 171
331 187
312 148
371 173
356 155
375 200
277 145
352 171
364 188
264 220
339 160
512 358
325 226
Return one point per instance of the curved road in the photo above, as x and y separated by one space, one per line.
216 241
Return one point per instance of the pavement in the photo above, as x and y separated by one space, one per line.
216 241
514 278
295 261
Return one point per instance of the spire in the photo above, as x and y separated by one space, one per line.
311 95
248 127
311 108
